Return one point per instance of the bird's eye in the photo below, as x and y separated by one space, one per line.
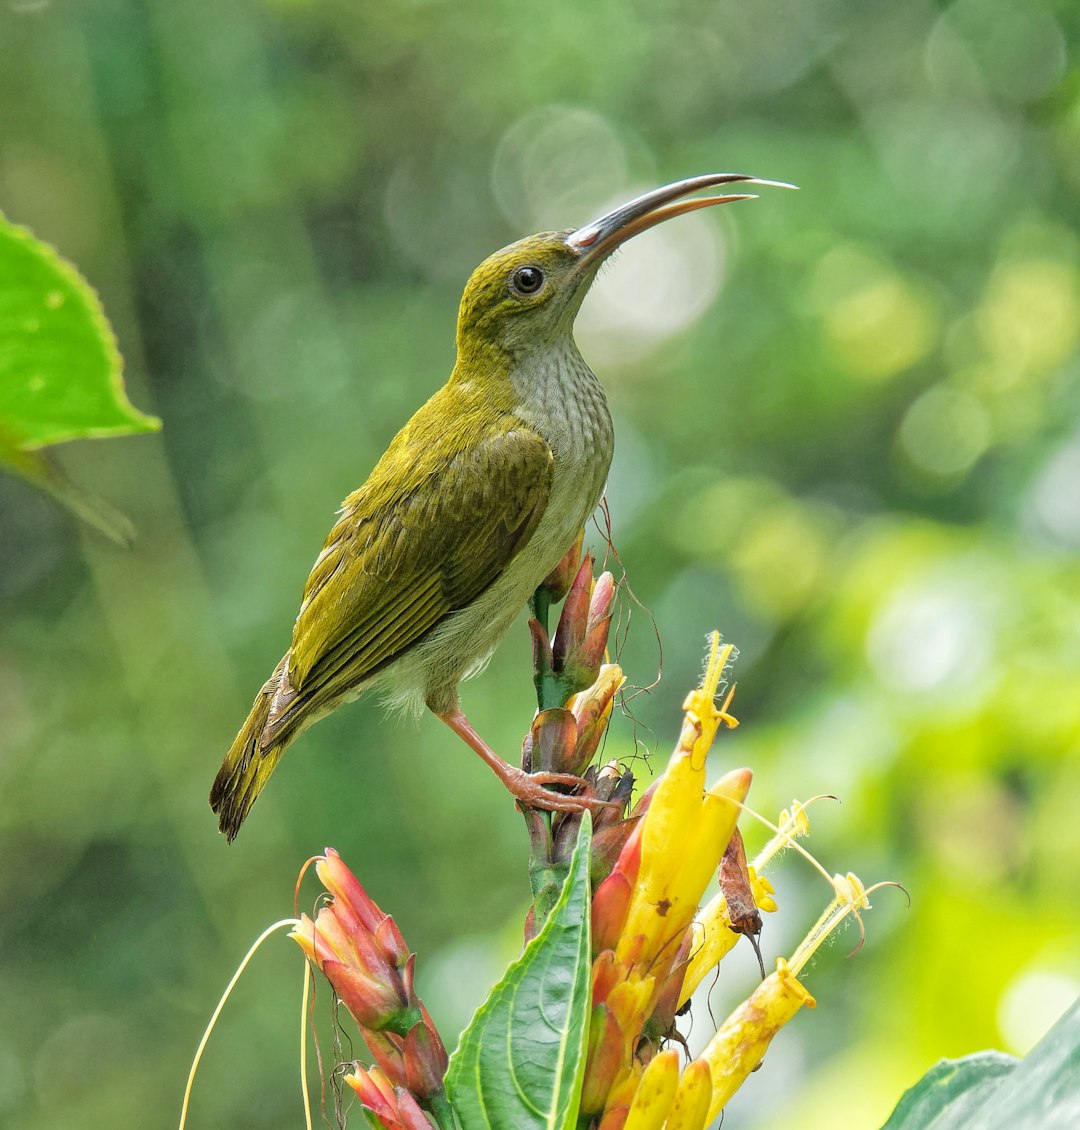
527 280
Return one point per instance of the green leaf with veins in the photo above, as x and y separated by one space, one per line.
520 1063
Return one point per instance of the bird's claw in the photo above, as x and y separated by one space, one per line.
533 791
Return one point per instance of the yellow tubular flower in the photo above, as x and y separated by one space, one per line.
740 1043
851 896
792 825
653 947
713 936
674 809
763 890
606 1057
713 941
628 1002
671 826
703 718
622 1092
655 1093
706 844
691 1105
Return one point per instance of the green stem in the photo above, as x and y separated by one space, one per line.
550 691
541 606
547 880
440 1109
546 876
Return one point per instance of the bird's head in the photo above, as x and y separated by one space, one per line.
525 297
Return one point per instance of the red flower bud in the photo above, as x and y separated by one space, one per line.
551 742
355 901
364 957
560 578
373 1003
541 646
581 638
574 621
606 975
667 1000
592 709
590 653
605 1058
614 1119
610 904
425 1060
393 1106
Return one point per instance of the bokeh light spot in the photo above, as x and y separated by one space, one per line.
972 823
660 283
554 165
418 215
714 518
1030 317
1031 1004
931 636
945 431
1055 498
877 323
1017 50
780 558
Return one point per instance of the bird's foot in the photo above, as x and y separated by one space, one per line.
532 790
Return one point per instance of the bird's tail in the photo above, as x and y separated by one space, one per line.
248 764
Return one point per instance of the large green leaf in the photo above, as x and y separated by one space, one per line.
60 372
520 1062
948 1093
991 1091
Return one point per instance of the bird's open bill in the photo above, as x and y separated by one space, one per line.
599 238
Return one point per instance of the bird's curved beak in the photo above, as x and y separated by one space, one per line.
596 240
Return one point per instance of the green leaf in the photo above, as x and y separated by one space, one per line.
60 370
61 375
372 1119
520 1062
948 1093
992 1091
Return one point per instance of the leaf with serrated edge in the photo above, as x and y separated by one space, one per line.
520 1062
60 371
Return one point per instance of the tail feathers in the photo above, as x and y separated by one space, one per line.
247 765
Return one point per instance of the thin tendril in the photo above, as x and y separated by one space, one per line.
793 843
303 1044
291 922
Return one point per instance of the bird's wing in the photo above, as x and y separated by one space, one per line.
394 567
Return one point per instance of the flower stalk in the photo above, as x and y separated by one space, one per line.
575 694
672 892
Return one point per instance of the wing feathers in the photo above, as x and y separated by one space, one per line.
393 568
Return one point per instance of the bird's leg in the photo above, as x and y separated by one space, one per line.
528 788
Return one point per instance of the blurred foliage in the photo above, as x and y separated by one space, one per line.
847 427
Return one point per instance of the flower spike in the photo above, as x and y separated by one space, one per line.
364 957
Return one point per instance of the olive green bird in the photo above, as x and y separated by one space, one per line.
476 500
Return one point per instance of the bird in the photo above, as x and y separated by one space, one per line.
473 504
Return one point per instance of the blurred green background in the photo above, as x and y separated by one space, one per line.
848 427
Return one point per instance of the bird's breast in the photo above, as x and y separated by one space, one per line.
561 398
565 404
